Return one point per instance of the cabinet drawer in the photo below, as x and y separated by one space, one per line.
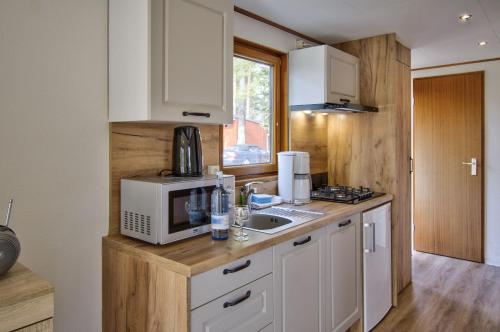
221 280
249 308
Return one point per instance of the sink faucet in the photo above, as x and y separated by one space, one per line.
248 192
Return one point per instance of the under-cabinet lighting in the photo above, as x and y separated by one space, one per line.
307 112
324 113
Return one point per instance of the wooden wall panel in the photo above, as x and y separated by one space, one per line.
403 185
139 149
403 54
309 133
373 149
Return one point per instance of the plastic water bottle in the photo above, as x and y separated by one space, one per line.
220 210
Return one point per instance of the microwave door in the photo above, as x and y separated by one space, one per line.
187 209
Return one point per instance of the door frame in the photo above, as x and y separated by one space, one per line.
481 165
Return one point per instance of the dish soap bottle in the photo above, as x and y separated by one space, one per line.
220 210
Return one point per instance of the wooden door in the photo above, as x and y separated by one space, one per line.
298 283
448 120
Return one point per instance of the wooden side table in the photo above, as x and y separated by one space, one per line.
26 301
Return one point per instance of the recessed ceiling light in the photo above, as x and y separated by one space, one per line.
465 17
483 43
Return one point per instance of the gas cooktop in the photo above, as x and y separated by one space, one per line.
344 194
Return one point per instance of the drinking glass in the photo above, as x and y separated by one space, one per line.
241 215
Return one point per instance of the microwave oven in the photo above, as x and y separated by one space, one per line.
162 210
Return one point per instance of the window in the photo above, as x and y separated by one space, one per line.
251 142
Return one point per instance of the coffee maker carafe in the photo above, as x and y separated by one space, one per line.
294 178
188 160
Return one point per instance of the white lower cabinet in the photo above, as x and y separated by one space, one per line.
344 274
246 309
317 279
299 269
307 284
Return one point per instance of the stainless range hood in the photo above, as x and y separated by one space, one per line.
324 79
334 108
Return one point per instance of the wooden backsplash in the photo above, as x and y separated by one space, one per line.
138 149
309 133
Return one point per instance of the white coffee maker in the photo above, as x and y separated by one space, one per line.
294 178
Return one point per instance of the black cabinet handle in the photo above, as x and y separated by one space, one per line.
235 302
345 223
345 100
238 268
299 243
207 115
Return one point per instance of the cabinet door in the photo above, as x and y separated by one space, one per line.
344 254
299 283
247 309
196 47
343 77
377 277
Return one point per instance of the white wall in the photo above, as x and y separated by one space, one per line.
54 146
263 34
54 141
492 148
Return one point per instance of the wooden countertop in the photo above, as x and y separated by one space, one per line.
199 254
25 298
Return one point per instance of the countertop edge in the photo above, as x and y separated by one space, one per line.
118 242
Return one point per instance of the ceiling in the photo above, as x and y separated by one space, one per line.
429 27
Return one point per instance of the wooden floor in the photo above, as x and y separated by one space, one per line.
447 295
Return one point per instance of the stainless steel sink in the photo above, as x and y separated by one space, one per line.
265 222
277 219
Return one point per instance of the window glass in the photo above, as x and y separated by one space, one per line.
248 140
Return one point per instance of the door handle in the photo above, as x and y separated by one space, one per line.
185 113
238 301
238 268
299 243
372 247
345 223
473 166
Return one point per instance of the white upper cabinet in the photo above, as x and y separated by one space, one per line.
343 77
171 60
323 74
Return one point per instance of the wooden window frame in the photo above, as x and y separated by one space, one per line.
279 61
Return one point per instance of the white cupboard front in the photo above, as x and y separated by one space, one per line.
246 309
170 60
377 282
323 74
343 77
344 275
299 269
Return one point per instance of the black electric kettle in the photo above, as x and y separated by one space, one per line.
9 244
187 152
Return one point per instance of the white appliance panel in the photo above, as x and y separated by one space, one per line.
377 280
